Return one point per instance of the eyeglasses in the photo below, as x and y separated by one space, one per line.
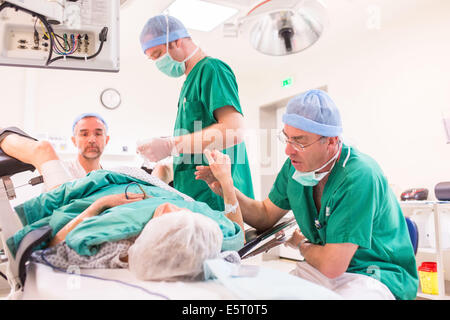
297 146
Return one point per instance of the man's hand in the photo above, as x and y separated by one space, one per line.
156 149
204 173
218 173
220 165
294 241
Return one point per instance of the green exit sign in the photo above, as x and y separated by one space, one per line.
287 82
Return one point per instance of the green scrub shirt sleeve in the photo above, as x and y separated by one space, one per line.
353 210
219 87
278 194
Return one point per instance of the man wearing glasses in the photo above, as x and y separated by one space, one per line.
352 233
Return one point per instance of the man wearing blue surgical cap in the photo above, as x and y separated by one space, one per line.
352 233
90 136
209 111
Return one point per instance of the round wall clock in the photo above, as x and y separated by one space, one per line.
110 98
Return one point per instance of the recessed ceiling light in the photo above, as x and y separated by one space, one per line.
200 15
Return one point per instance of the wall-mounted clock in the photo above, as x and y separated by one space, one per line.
110 98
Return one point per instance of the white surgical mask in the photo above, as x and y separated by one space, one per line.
312 178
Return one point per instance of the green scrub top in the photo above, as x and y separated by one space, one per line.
358 207
210 85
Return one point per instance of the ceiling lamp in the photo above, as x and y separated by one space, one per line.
283 27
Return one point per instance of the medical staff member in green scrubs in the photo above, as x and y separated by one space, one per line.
209 111
352 232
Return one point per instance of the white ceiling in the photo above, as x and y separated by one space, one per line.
348 21
244 4
344 14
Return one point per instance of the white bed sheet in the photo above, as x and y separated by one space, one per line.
44 283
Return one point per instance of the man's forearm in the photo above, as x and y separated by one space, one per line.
93 210
311 253
254 212
325 258
229 197
217 136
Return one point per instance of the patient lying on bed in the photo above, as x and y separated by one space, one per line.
96 220
172 246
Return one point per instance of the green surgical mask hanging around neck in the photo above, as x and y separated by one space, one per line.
312 178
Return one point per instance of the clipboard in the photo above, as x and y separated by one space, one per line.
262 242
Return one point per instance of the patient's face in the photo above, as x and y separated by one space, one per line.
166 208
90 138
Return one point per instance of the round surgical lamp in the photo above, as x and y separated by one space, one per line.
283 27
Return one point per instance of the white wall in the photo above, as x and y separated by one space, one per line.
390 84
12 82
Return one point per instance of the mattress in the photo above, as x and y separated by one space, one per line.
44 283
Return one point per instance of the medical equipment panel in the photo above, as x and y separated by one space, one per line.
23 43
79 35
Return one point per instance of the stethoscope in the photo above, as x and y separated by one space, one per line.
142 189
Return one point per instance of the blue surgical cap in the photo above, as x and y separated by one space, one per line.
154 32
315 112
89 115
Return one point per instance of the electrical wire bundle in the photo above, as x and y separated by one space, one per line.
102 37
64 51
43 19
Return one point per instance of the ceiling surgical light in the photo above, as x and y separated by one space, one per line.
283 27
200 15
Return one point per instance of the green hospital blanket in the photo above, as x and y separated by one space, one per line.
59 206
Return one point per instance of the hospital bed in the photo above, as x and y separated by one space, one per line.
31 280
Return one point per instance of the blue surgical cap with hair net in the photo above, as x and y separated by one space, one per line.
315 112
154 32
89 115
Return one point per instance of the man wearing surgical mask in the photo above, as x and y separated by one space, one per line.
352 233
209 111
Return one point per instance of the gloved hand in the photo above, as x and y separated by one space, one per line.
156 149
